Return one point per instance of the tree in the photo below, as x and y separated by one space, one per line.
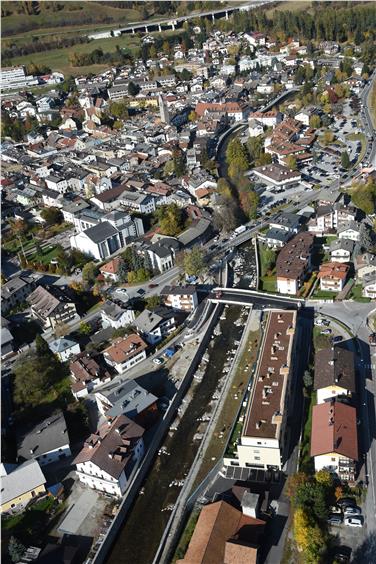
307 379
249 202
41 346
223 188
170 219
194 262
294 482
33 378
269 258
237 158
345 160
16 549
52 216
169 168
313 497
133 89
153 302
192 116
264 159
328 137
308 536
363 196
85 328
324 477
61 329
89 273
315 121
291 162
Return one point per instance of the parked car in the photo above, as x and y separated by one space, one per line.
141 291
326 331
337 339
354 521
153 285
122 291
342 554
346 502
158 360
352 510
335 509
335 519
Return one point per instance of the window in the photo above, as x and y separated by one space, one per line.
333 459
257 458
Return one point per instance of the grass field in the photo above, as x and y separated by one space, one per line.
291 5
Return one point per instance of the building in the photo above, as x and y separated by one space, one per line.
263 437
110 270
332 276
20 484
111 456
369 285
15 77
100 241
155 325
224 535
52 306
351 230
45 442
277 174
180 298
277 238
334 374
64 348
86 375
293 263
115 316
341 250
125 352
364 264
15 291
163 110
161 256
334 439
127 398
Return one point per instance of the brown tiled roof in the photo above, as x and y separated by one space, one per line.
221 529
333 271
111 447
124 348
335 366
292 258
334 429
110 195
266 404
84 369
112 266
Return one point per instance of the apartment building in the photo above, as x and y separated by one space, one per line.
334 374
332 276
293 263
180 298
110 456
86 375
125 352
52 306
334 439
263 438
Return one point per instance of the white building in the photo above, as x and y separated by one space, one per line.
155 325
56 183
180 298
115 316
125 352
99 241
255 128
110 457
64 348
264 435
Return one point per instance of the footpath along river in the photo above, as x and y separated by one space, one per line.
139 538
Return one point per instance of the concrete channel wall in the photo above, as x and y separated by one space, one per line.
163 427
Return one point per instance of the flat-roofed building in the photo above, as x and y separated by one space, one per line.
263 438
277 174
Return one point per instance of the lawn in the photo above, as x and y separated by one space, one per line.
291 6
268 284
320 341
306 462
186 536
268 280
323 294
356 294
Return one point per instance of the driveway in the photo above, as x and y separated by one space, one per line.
83 502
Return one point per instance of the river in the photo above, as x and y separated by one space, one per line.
138 540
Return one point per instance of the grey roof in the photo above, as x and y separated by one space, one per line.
61 345
14 285
354 225
278 235
345 244
127 398
179 290
17 480
112 310
194 232
44 437
160 250
45 302
289 220
369 278
147 321
6 336
101 232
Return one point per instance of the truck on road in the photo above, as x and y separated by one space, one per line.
240 229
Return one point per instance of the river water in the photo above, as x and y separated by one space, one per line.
138 540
